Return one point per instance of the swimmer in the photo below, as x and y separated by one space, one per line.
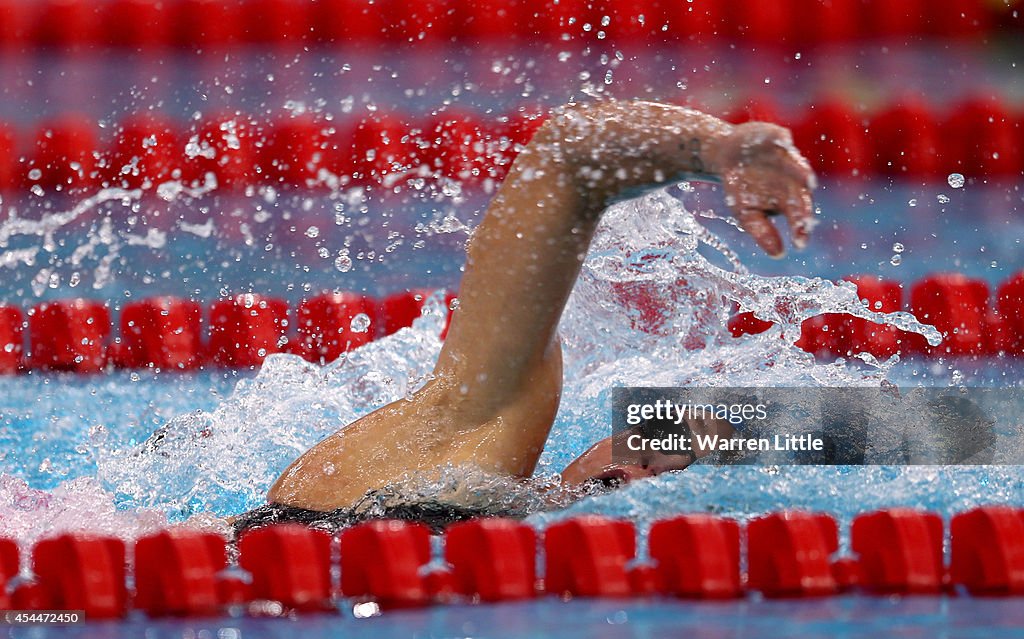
495 388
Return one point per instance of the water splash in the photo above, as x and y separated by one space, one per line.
79 505
646 253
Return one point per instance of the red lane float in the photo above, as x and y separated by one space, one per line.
701 20
373 148
15 25
69 335
136 24
957 306
899 551
216 23
858 335
833 139
517 129
489 20
961 20
893 18
455 146
66 24
12 340
163 332
277 22
587 557
182 572
247 328
757 109
697 556
334 323
62 157
382 561
400 310
819 335
166 333
296 151
835 22
9 160
492 559
1010 306
789 554
290 564
982 139
771 24
77 572
747 323
905 138
226 147
423 22
9 563
847 573
985 139
146 152
207 23
176 573
987 552
352 22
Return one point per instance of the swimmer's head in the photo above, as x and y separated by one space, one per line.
966 432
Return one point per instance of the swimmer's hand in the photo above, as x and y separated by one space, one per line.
764 175
624 148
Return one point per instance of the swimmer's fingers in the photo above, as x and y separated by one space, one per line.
757 194
756 222
799 212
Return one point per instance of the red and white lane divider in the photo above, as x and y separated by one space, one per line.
980 137
149 25
66 154
172 334
388 563
958 306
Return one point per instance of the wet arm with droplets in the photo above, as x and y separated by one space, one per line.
525 256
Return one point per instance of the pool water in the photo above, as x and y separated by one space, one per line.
835 617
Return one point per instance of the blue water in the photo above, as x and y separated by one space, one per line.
832 618
398 241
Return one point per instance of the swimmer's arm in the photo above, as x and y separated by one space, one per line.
525 256
495 392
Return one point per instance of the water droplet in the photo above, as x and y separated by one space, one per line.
956 180
896 260
897 247
343 263
942 198
360 323
312 232
912 202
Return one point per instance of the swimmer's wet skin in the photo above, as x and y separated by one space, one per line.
496 386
